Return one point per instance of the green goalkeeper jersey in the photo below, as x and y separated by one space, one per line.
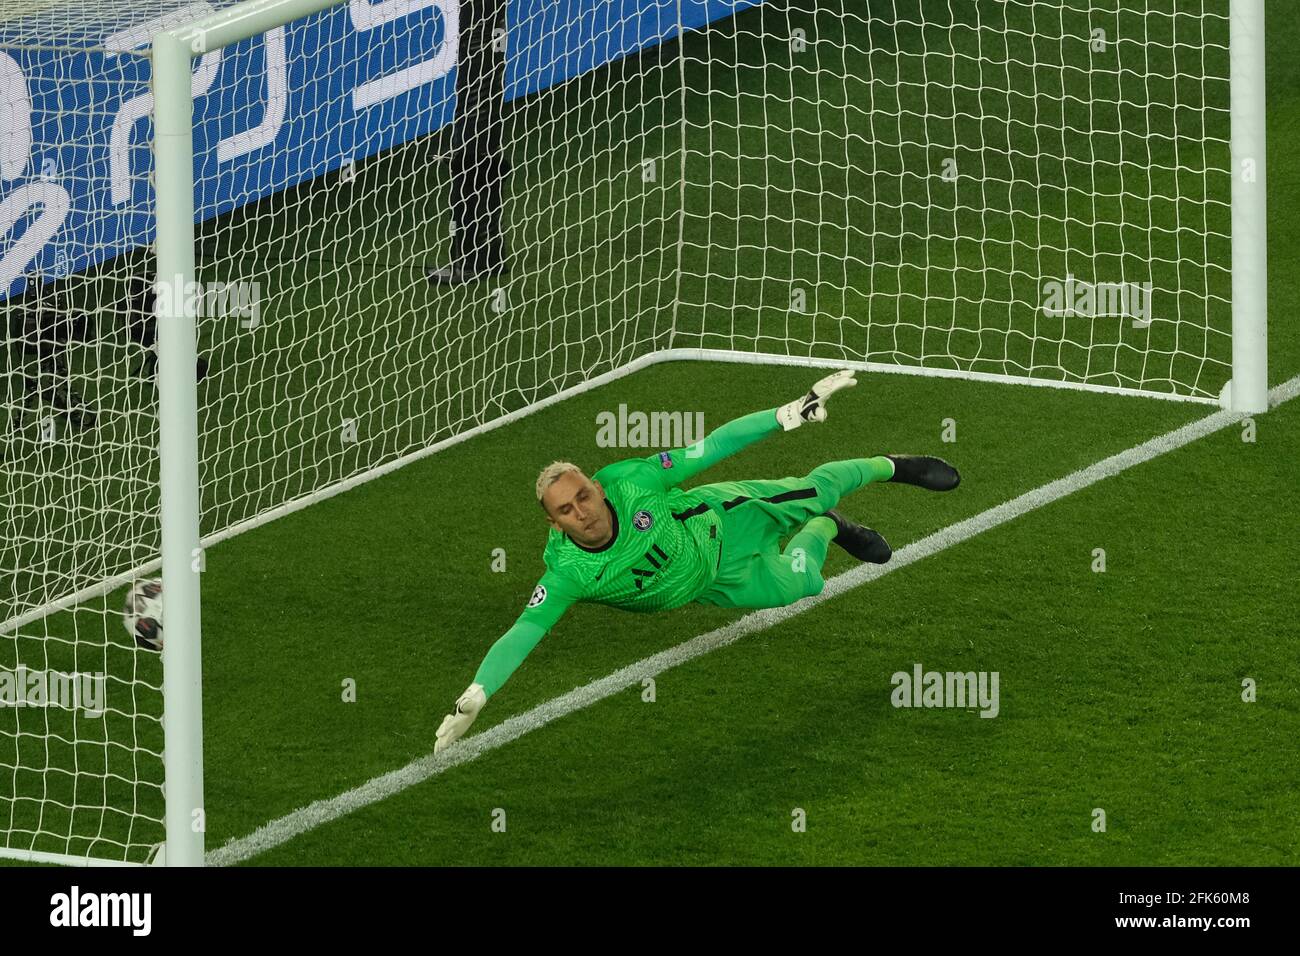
664 551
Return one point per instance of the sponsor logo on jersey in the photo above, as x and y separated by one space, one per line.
539 595
643 520
665 459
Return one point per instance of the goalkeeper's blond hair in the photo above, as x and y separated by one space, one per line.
551 474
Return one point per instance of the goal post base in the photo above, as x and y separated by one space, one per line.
1248 403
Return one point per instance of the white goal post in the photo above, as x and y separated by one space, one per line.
898 186
1247 390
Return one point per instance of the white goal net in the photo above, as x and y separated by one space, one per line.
1022 189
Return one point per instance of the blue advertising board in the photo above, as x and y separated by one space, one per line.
270 112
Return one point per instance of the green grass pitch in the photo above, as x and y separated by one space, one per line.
1120 690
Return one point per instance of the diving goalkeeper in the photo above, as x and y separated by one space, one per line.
629 537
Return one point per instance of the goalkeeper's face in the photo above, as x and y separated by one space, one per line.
576 505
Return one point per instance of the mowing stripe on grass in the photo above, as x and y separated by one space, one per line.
470 748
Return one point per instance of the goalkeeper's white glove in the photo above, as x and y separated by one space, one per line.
458 721
812 407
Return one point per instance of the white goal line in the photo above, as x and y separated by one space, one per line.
316 814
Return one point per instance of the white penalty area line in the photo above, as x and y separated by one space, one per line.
317 814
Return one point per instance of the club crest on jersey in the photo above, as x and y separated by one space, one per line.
539 595
665 459
642 520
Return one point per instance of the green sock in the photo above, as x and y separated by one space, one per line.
814 537
881 468
851 474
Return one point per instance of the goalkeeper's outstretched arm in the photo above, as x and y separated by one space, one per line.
551 598
554 593
681 464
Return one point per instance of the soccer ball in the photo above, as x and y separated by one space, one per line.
142 615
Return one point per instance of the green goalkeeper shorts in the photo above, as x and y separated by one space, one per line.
757 515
